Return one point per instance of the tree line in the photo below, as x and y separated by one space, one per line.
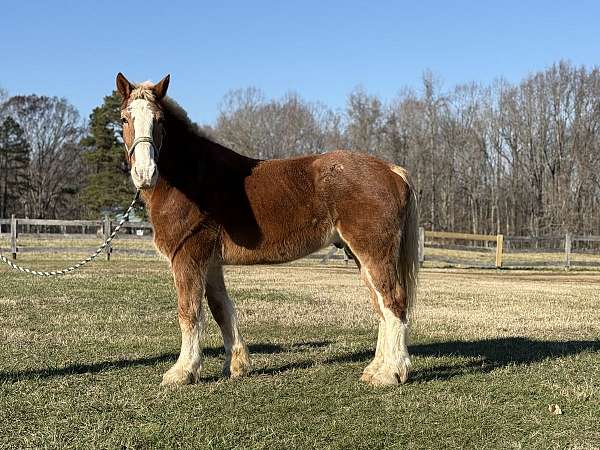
514 158
53 165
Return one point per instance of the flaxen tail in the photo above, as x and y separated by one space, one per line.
407 266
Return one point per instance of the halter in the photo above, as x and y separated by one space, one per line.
147 139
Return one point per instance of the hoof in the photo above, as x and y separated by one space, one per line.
176 376
239 363
403 375
384 377
387 376
405 370
366 377
371 370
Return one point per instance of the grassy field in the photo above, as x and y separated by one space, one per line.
81 359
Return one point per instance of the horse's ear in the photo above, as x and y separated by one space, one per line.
160 89
123 85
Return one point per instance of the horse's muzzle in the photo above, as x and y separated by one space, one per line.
145 178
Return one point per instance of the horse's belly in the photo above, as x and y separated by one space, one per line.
274 251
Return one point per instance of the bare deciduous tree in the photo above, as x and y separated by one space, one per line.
52 128
276 128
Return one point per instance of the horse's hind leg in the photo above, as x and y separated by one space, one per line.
237 359
377 261
393 309
377 361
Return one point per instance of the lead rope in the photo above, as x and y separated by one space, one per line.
93 256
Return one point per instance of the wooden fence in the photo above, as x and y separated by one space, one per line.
501 242
103 227
497 238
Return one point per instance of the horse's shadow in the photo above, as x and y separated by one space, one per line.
483 356
92 368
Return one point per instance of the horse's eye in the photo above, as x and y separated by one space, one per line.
124 120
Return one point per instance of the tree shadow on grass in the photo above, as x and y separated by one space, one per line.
78 369
484 355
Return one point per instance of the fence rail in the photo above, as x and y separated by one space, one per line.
498 238
105 226
460 236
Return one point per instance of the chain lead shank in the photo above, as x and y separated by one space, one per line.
80 264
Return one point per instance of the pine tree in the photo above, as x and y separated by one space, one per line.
14 164
108 188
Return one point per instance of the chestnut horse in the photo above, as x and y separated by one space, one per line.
211 206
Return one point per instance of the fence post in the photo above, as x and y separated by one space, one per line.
13 236
568 240
421 246
106 227
332 251
499 248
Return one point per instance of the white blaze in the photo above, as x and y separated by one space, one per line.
144 170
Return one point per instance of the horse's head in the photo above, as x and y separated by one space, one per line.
143 132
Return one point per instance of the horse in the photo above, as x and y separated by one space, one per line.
210 207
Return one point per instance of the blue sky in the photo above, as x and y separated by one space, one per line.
319 49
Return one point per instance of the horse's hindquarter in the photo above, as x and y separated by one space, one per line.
289 214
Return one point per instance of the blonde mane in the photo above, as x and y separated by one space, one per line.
144 91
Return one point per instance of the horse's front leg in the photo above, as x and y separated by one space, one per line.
237 359
190 277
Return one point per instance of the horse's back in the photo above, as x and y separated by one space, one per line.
315 186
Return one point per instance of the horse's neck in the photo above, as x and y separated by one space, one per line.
204 171
208 163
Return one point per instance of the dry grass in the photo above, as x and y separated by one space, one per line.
81 358
476 303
